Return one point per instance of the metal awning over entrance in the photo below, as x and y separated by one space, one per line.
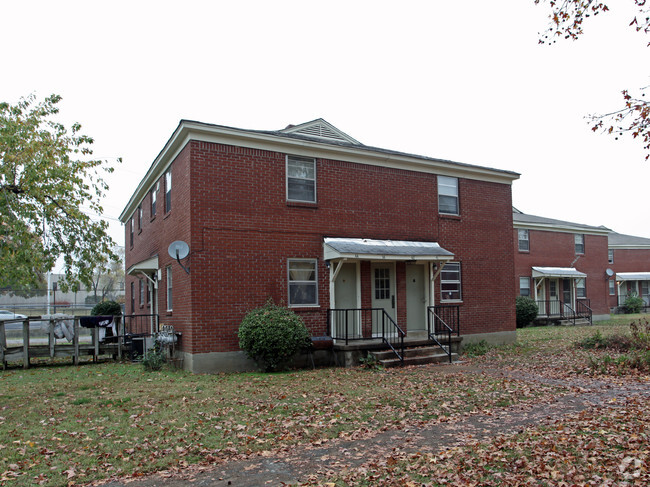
633 276
568 272
369 249
149 266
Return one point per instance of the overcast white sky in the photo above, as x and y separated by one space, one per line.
465 81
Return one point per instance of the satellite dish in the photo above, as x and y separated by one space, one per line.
609 272
178 250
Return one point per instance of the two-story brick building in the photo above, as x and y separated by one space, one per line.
562 265
313 219
629 259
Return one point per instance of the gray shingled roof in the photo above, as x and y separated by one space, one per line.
523 218
617 239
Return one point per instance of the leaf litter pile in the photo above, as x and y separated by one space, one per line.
73 425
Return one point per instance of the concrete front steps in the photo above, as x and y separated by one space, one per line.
413 356
579 322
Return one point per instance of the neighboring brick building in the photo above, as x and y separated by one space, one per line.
312 218
629 258
562 265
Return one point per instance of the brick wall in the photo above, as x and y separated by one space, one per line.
233 213
557 249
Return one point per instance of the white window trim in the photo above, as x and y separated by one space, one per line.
575 243
612 288
520 240
527 280
315 283
286 179
457 195
169 286
459 281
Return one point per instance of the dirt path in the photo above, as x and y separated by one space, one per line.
296 465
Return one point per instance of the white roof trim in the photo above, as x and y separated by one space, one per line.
201 132
558 272
633 276
147 266
550 227
391 250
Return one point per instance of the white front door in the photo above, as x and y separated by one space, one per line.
415 298
346 318
383 294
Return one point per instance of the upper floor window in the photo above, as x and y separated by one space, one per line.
139 217
450 289
131 232
610 256
301 179
448 195
579 243
168 190
524 243
303 288
524 286
154 198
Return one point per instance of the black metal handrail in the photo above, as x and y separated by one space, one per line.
437 327
355 324
583 310
568 313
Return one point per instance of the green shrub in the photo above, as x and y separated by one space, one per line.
154 358
633 304
526 311
106 308
370 362
271 335
596 340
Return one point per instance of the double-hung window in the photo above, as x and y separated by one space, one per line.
154 197
610 256
168 191
524 242
131 223
169 288
612 288
301 179
303 282
450 288
132 297
139 218
141 284
579 240
524 286
448 195
581 289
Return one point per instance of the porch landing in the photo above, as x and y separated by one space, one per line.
418 349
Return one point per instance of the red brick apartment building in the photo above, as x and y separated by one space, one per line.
563 266
317 221
629 259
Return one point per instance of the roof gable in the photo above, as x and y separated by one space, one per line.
320 129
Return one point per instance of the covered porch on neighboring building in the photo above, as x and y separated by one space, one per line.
560 294
633 284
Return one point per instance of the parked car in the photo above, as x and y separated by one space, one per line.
10 315
13 321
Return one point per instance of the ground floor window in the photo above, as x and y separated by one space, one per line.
581 289
169 288
524 286
303 289
612 288
450 289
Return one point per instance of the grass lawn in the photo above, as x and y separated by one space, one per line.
66 424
